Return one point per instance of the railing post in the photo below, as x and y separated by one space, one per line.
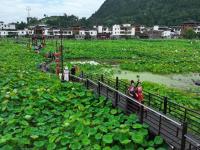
117 83
183 139
141 113
102 78
125 89
116 93
159 128
165 105
185 115
87 83
149 99
99 89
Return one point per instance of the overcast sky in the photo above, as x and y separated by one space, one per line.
15 10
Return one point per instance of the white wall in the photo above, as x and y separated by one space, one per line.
197 29
156 28
46 32
67 32
82 32
92 32
3 33
100 29
133 31
167 34
116 30
21 32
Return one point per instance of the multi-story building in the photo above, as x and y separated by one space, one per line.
190 25
9 26
123 31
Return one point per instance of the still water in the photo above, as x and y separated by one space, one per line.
180 81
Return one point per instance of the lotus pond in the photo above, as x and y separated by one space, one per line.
156 56
38 112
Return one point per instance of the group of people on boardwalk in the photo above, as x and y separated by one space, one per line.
135 91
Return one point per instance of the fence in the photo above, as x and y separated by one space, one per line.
158 112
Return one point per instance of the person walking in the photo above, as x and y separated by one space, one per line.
131 89
139 92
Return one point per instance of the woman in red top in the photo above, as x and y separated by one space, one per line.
139 92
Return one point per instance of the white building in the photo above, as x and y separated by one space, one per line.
103 30
9 26
125 30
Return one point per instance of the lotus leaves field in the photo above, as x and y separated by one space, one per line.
157 56
38 112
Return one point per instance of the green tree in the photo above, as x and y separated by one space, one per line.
189 34
20 25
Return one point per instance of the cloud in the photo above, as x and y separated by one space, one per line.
15 10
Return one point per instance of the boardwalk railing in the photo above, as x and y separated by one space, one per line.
174 131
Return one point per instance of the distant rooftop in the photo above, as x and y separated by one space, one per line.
191 22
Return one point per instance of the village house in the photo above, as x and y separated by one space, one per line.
9 26
164 31
7 30
191 24
81 35
86 34
103 32
123 31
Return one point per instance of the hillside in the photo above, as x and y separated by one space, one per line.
147 12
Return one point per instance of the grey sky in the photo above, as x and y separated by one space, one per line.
15 10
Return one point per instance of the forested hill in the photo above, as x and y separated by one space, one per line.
147 12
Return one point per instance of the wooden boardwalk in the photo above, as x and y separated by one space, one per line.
173 131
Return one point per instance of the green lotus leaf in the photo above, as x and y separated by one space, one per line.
39 144
75 145
98 136
51 146
107 148
85 140
97 147
113 111
137 126
79 129
108 138
138 138
116 147
158 140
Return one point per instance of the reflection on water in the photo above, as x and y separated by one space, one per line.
184 82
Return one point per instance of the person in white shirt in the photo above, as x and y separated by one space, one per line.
66 74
